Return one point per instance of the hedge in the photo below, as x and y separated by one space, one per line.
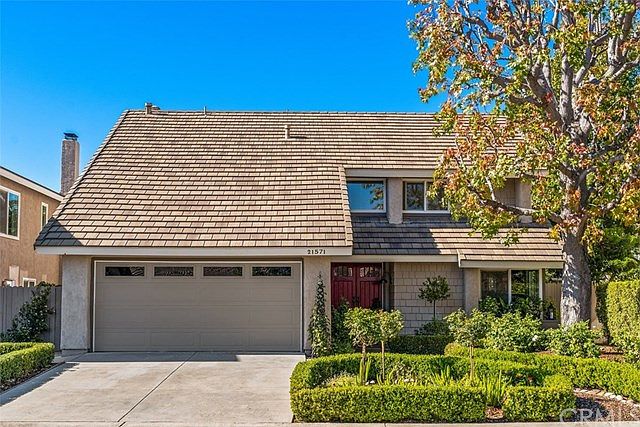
420 344
539 403
314 372
388 404
312 402
623 317
20 360
615 377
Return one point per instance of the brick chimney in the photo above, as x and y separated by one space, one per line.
70 162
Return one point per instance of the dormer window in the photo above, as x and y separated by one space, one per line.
367 195
416 198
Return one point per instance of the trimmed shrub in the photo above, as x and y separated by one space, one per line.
539 403
313 401
24 360
388 404
515 333
615 377
601 308
577 340
420 344
623 312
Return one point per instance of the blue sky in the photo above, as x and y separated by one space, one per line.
75 66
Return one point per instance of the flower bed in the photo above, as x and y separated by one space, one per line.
615 377
21 360
415 396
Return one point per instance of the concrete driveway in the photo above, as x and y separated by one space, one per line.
140 388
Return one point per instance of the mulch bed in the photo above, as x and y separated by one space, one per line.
592 406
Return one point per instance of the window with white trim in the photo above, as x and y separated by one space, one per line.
44 214
26 282
511 285
367 195
9 212
416 198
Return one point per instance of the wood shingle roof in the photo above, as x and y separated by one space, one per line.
232 179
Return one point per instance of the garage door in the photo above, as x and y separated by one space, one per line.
209 307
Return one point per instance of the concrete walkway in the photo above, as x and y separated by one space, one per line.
131 388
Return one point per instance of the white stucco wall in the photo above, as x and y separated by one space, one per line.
75 332
408 278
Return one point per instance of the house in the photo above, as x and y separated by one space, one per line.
197 230
25 207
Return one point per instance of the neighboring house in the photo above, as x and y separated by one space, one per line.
25 207
196 230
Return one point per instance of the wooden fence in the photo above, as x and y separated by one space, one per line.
12 298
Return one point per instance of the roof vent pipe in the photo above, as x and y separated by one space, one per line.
287 132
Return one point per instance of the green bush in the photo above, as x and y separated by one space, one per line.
539 403
493 305
23 360
420 344
322 389
515 333
32 318
319 328
623 312
601 308
393 403
576 340
434 327
340 340
615 377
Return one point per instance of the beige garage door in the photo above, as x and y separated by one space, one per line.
210 307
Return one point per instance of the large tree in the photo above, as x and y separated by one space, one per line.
542 91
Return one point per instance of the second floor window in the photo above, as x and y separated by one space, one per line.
44 214
366 196
9 212
416 197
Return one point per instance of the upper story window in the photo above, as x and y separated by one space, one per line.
366 196
44 214
9 212
416 197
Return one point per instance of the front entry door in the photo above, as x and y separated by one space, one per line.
359 284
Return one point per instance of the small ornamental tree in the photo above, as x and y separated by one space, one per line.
433 290
319 328
364 331
546 92
470 331
390 323
32 318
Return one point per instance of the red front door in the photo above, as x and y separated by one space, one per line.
359 284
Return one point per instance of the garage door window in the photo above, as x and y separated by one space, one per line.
271 271
222 271
123 271
173 271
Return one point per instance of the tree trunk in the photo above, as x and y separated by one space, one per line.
575 304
